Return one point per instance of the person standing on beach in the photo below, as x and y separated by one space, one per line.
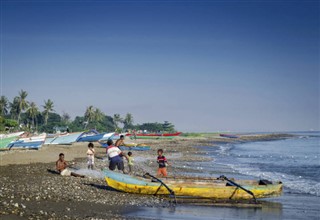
163 163
135 134
120 142
62 167
90 156
115 157
130 162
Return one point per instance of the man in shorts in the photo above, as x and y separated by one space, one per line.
62 167
115 157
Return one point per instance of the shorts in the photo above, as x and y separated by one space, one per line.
65 172
162 171
116 163
90 161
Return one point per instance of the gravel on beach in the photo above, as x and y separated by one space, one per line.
30 188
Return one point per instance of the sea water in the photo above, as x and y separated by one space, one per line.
295 161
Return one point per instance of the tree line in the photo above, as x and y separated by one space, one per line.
24 115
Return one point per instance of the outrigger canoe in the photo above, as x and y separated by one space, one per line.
219 188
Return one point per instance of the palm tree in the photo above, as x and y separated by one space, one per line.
3 105
14 108
128 120
65 118
89 115
48 107
23 104
32 112
98 115
117 119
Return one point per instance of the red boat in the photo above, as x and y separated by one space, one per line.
157 134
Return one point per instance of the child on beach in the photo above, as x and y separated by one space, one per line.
130 162
90 156
163 163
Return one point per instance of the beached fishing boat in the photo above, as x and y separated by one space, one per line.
93 136
129 146
156 134
25 145
28 142
67 138
220 188
6 139
135 148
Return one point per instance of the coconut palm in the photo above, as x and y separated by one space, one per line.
89 115
23 104
48 107
3 105
14 108
128 120
116 120
98 115
65 118
32 112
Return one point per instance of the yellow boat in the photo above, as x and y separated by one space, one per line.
219 188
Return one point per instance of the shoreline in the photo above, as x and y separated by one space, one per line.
29 190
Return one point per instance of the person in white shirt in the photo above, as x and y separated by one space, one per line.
115 156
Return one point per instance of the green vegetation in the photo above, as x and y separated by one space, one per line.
23 115
198 135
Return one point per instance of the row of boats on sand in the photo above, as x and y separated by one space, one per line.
23 140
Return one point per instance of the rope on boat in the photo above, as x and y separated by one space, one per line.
172 194
237 185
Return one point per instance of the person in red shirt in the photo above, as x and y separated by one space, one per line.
163 163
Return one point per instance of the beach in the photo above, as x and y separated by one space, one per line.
30 188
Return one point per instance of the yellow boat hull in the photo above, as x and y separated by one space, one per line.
217 189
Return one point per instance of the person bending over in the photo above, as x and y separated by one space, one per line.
115 157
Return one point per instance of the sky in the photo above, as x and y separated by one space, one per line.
205 66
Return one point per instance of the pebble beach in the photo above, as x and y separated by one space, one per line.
30 188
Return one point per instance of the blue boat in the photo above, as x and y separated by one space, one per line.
127 148
137 148
25 145
93 136
65 138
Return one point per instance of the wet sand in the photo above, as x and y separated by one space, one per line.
30 189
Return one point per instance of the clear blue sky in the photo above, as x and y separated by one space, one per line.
202 65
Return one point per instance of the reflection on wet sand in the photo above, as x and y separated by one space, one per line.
217 210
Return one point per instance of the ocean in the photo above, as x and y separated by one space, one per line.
295 161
